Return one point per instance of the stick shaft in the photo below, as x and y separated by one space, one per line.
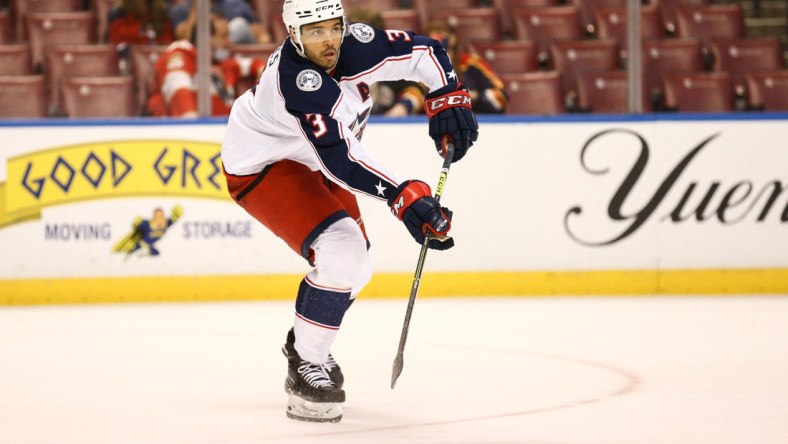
399 359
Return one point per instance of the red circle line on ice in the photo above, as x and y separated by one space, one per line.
630 383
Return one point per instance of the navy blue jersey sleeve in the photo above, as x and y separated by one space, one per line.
394 55
312 97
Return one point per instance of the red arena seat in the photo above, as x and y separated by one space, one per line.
509 56
77 60
573 57
768 90
472 24
15 60
546 25
99 96
699 92
22 97
668 56
740 56
534 93
402 19
59 28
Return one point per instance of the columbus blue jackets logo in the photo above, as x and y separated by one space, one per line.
308 80
363 33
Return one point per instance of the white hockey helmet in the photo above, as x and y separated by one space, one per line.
296 13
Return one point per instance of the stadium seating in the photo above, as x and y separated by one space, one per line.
99 96
571 39
611 23
505 8
7 34
254 50
709 22
472 24
538 93
667 56
15 59
24 7
143 62
375 5
768 90
58 28
510 56
606 92
427 8
699 92
740 56
667 9
587 8
22 97
77 60
546 25
570 58
403 19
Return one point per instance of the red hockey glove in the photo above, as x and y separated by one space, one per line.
449 110
414 205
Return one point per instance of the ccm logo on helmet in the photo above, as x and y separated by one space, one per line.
323 8
450 102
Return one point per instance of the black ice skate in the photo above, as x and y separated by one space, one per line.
331 366
313 395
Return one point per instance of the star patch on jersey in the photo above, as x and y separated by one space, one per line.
363 33
309 80
380 188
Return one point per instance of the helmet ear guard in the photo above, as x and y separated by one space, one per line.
296 13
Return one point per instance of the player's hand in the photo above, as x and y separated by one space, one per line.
414 205
449 110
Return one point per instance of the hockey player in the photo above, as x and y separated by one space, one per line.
293 159
175 89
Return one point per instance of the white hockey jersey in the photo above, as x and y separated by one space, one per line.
298 111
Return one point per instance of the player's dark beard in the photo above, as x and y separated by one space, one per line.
318 59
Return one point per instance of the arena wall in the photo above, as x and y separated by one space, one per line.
581 205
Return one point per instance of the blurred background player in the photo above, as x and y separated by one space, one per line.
484 85
395 98
293 159
175 89
139 22
244 25
403 98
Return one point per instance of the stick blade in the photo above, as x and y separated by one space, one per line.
396 370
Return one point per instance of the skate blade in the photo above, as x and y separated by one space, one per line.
303 410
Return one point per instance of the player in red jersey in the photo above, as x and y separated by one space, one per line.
175 90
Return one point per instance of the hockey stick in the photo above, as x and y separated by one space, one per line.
398 361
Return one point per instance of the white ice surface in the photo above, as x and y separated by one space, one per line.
478 370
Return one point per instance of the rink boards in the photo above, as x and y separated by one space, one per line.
572 205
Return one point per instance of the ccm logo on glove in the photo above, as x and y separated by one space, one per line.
451 119
460 98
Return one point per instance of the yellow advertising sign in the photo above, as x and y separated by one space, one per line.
109 170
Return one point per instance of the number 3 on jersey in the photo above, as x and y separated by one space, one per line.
318 123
